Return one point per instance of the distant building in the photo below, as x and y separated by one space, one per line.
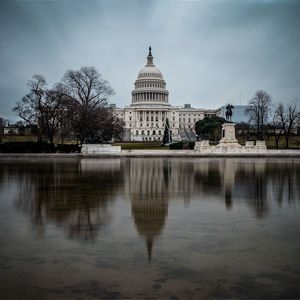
238 115
11 129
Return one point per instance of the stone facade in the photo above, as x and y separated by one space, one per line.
146 116
99 149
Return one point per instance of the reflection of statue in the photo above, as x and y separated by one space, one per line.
229 109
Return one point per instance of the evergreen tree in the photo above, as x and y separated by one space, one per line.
167 139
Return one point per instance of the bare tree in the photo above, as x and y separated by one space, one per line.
276 124
43 107
288 117
89 94
3 123
258 109
54 110
29 108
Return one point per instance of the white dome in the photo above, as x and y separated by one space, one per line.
150 87
150 71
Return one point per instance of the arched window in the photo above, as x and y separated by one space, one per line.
137 132
154 132
148 132
143 132
159 132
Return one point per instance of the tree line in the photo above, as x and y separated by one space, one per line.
76 107
267 116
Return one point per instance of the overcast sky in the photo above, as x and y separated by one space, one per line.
210 52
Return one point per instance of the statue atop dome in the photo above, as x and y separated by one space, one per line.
150 58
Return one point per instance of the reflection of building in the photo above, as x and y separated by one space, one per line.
75 195
146 116
149 218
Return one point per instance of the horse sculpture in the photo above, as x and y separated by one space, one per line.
228 114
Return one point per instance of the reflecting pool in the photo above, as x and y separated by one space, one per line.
149 228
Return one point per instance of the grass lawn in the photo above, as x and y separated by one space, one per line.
141 145
294 142
17 138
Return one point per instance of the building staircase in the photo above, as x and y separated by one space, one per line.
187 134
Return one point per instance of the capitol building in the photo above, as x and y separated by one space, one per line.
146 116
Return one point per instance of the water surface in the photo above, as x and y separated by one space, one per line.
148 228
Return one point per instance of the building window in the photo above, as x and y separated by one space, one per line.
159 132
173 118
129 118
141 124
148 132
154 132
143 132
137 132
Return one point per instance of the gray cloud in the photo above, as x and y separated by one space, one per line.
208 51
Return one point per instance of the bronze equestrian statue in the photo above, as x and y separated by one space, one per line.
229 109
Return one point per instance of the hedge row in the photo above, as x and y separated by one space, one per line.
182 145
34 147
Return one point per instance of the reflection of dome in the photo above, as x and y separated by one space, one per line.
149 218
150 86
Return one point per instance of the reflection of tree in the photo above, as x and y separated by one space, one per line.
67 194
75 194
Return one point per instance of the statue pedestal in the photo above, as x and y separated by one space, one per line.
202 146
261 145
228 139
